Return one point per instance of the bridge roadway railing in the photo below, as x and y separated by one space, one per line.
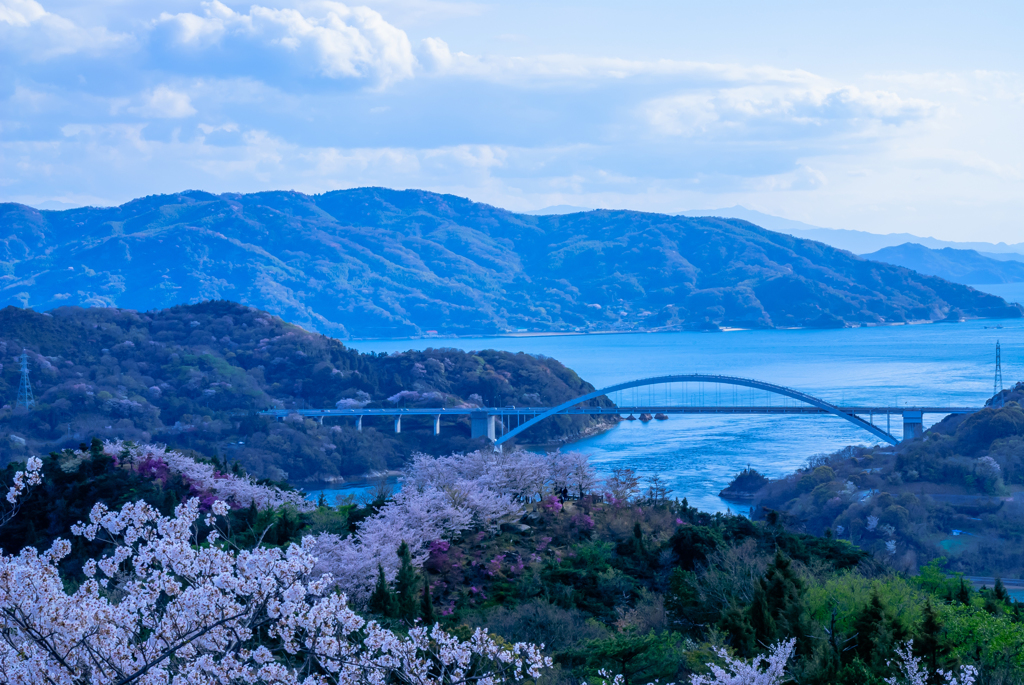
623 409
483 418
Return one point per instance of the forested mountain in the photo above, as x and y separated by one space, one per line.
373 262
958 266
192 377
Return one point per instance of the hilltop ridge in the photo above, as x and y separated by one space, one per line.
373 262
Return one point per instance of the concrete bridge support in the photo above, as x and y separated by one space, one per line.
359 424
913 427
437 424
482 425
398 424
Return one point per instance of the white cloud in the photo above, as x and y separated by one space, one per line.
229 127
164 103
21 13
814 106
277 86
28 30
438 58
802 178
435 55
345 42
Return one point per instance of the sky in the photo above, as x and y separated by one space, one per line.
881 117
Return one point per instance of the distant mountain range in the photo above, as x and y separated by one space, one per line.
373 262
958 266
857 242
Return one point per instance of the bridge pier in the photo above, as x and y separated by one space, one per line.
482 425
398 424
359 424
320 420
913 426
437 424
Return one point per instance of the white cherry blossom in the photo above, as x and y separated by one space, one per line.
161 609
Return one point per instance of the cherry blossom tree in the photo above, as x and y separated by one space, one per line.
767 669
416 517
914 674
517 473
23 481
441 498
572 470
205 479
164 608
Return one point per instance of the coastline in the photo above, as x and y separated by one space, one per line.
647 331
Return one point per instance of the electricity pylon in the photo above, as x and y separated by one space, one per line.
997 384
25 396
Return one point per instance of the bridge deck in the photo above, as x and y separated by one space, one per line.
625 410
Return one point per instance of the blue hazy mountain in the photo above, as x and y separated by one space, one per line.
857 242
373 262
959 266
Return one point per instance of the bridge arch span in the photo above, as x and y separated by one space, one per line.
706 378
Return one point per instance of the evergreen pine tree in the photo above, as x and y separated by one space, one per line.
777 612
638 539
736 623
427 606
927 642
762 623
869 624
405 585
963 594
382 602
1000 592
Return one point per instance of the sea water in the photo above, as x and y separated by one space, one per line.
697 455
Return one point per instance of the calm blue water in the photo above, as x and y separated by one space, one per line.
1011 292
361 491
937 364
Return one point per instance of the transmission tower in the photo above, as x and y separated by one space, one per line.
25 396
997 385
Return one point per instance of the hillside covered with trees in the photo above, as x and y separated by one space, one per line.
956 493
194 376
373 262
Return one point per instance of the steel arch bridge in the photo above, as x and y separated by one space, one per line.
483 420
821 405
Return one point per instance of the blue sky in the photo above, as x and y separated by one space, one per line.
864 116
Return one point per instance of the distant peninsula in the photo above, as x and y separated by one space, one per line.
379 263
958 266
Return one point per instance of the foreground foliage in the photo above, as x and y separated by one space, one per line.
620 583
190 612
